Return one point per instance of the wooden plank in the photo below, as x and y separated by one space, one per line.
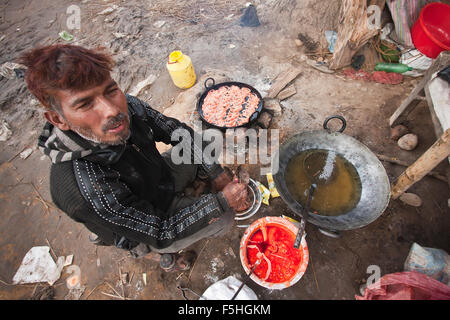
286 93
394 160
439 151
282 80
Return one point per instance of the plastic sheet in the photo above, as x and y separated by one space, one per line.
38 266
250 17
406 286
226 288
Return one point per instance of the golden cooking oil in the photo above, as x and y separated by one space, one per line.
334 196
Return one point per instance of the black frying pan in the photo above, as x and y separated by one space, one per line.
215 86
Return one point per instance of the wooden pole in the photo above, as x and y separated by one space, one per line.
418 94
429 160
405 164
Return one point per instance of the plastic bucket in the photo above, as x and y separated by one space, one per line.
431 32
287 226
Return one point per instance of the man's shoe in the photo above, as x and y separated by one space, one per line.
95 239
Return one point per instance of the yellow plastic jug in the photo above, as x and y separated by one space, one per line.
181 70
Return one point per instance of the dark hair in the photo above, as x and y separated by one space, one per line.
63 66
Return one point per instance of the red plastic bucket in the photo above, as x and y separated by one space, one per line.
431 32
287 226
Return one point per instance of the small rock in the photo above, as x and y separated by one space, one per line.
264 120
408 142
273 106
231 46
398 131
159 24
26 153
108 10
298 42
411 199
119 35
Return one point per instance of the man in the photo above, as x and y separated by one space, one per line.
106 171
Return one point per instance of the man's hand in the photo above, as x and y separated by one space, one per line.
236 194
221 181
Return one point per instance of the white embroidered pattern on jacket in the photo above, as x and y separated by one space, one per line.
202 208
207 201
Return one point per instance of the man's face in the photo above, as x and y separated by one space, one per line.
99 114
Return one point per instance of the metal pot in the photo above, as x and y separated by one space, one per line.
375 192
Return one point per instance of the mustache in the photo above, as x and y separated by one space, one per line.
114 122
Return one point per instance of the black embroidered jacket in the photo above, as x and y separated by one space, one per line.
122 193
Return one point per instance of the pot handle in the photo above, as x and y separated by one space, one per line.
213 83
344 123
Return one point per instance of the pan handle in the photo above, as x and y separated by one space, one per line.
344 123
213 83
254 116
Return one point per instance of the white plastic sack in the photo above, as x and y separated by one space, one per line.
225 290
415 59
439 94
38 266
434 263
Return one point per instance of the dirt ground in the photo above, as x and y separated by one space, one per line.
209 33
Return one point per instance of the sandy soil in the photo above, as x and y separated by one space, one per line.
209 33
